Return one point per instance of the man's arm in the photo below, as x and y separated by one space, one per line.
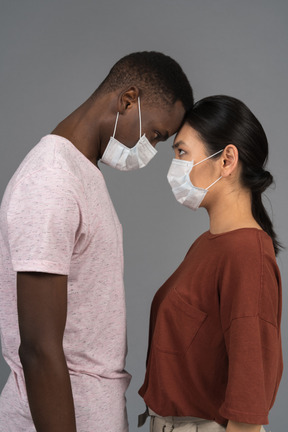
242 427
42 309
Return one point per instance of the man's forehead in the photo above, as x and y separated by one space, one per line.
167 111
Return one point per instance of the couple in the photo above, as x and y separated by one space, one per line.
214 359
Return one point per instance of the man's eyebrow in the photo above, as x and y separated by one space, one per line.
177 144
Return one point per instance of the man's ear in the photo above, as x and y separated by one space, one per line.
229 160
128 99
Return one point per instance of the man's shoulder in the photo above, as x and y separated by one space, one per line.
56 158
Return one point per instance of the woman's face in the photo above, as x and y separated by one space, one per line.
188 146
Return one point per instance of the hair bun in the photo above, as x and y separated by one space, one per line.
264 180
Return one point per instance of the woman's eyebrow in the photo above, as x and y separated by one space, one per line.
177 144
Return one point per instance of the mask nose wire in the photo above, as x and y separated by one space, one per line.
116 121
140 120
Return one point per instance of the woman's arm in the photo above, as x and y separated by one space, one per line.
242 427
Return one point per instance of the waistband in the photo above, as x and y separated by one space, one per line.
175 420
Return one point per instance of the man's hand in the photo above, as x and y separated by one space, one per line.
42 309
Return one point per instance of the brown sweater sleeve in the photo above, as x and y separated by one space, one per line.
250 303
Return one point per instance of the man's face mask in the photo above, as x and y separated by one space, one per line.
124 158
179 179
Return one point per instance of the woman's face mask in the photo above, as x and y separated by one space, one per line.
179 179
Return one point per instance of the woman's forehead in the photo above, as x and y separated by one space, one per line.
189 137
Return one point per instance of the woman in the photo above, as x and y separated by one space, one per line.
214 360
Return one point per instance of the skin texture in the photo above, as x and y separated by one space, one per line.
42 298
90 127
227 202
42 308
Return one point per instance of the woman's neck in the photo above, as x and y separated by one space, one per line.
232 211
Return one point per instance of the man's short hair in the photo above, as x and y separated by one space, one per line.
156 74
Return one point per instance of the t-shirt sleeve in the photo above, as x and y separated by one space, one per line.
253 352
44 222
249 299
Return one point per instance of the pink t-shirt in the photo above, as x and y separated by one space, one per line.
57 217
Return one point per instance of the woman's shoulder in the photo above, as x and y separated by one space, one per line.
245 241
247 247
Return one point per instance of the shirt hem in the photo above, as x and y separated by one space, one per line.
39 266
244 417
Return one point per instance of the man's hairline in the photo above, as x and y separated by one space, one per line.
144 97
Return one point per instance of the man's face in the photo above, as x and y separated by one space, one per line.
158 123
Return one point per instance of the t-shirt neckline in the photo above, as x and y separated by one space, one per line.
60 138
211 236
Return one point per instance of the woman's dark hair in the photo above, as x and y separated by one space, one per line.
222 120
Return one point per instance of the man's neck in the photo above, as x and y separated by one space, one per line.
83 128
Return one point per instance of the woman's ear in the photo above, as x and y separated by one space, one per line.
128 98
229 160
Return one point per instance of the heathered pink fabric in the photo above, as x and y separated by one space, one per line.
57 217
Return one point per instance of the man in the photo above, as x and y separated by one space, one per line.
61 253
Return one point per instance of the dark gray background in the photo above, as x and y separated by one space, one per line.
54 54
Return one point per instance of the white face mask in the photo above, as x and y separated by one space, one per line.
184 191
124 158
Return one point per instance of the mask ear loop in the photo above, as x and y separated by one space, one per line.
140 120
214 154
117 117
213 183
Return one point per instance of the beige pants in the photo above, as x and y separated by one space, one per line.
169 424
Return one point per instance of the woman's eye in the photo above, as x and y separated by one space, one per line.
180 152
